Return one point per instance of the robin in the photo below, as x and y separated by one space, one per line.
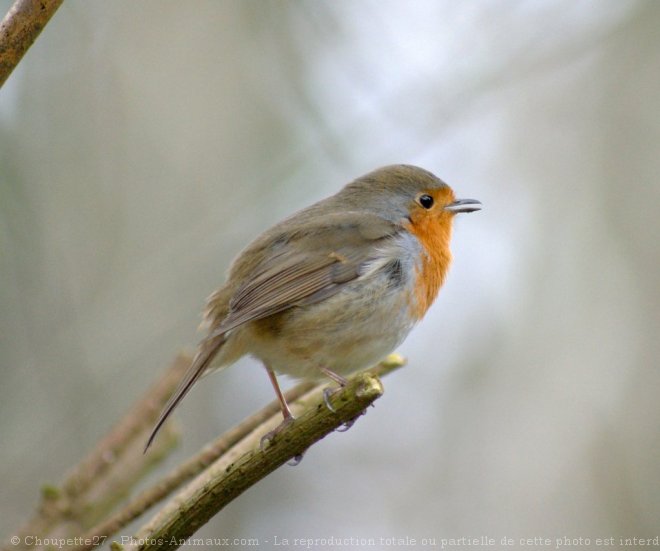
335 287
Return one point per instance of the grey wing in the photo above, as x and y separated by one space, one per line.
290 277
292 281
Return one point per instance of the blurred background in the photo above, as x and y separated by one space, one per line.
142 145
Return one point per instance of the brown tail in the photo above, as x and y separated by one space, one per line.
208 349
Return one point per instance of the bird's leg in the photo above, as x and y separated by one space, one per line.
286 412
341 381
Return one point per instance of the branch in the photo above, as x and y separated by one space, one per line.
186 471
94 486
210 453
106 475
20 28
247 463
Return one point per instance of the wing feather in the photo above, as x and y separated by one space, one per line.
289 277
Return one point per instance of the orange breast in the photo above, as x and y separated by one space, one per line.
433 230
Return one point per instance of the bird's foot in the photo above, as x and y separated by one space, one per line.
270 435
348 424
328 392
296 459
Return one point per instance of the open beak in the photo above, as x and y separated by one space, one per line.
463 205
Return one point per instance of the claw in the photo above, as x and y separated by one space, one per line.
348 424
341 381
270 435
296 459
327 392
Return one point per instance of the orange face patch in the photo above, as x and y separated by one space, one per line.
432 227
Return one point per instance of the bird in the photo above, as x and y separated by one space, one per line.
334 288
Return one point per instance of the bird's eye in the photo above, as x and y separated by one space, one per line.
426 201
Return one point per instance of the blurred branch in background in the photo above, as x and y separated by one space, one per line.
106 475
228 466
20 28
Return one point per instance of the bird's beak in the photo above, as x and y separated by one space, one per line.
463 205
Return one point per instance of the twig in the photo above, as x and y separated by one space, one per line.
115 464
247 463
106 475
186 471
203 459
20 28
131 428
